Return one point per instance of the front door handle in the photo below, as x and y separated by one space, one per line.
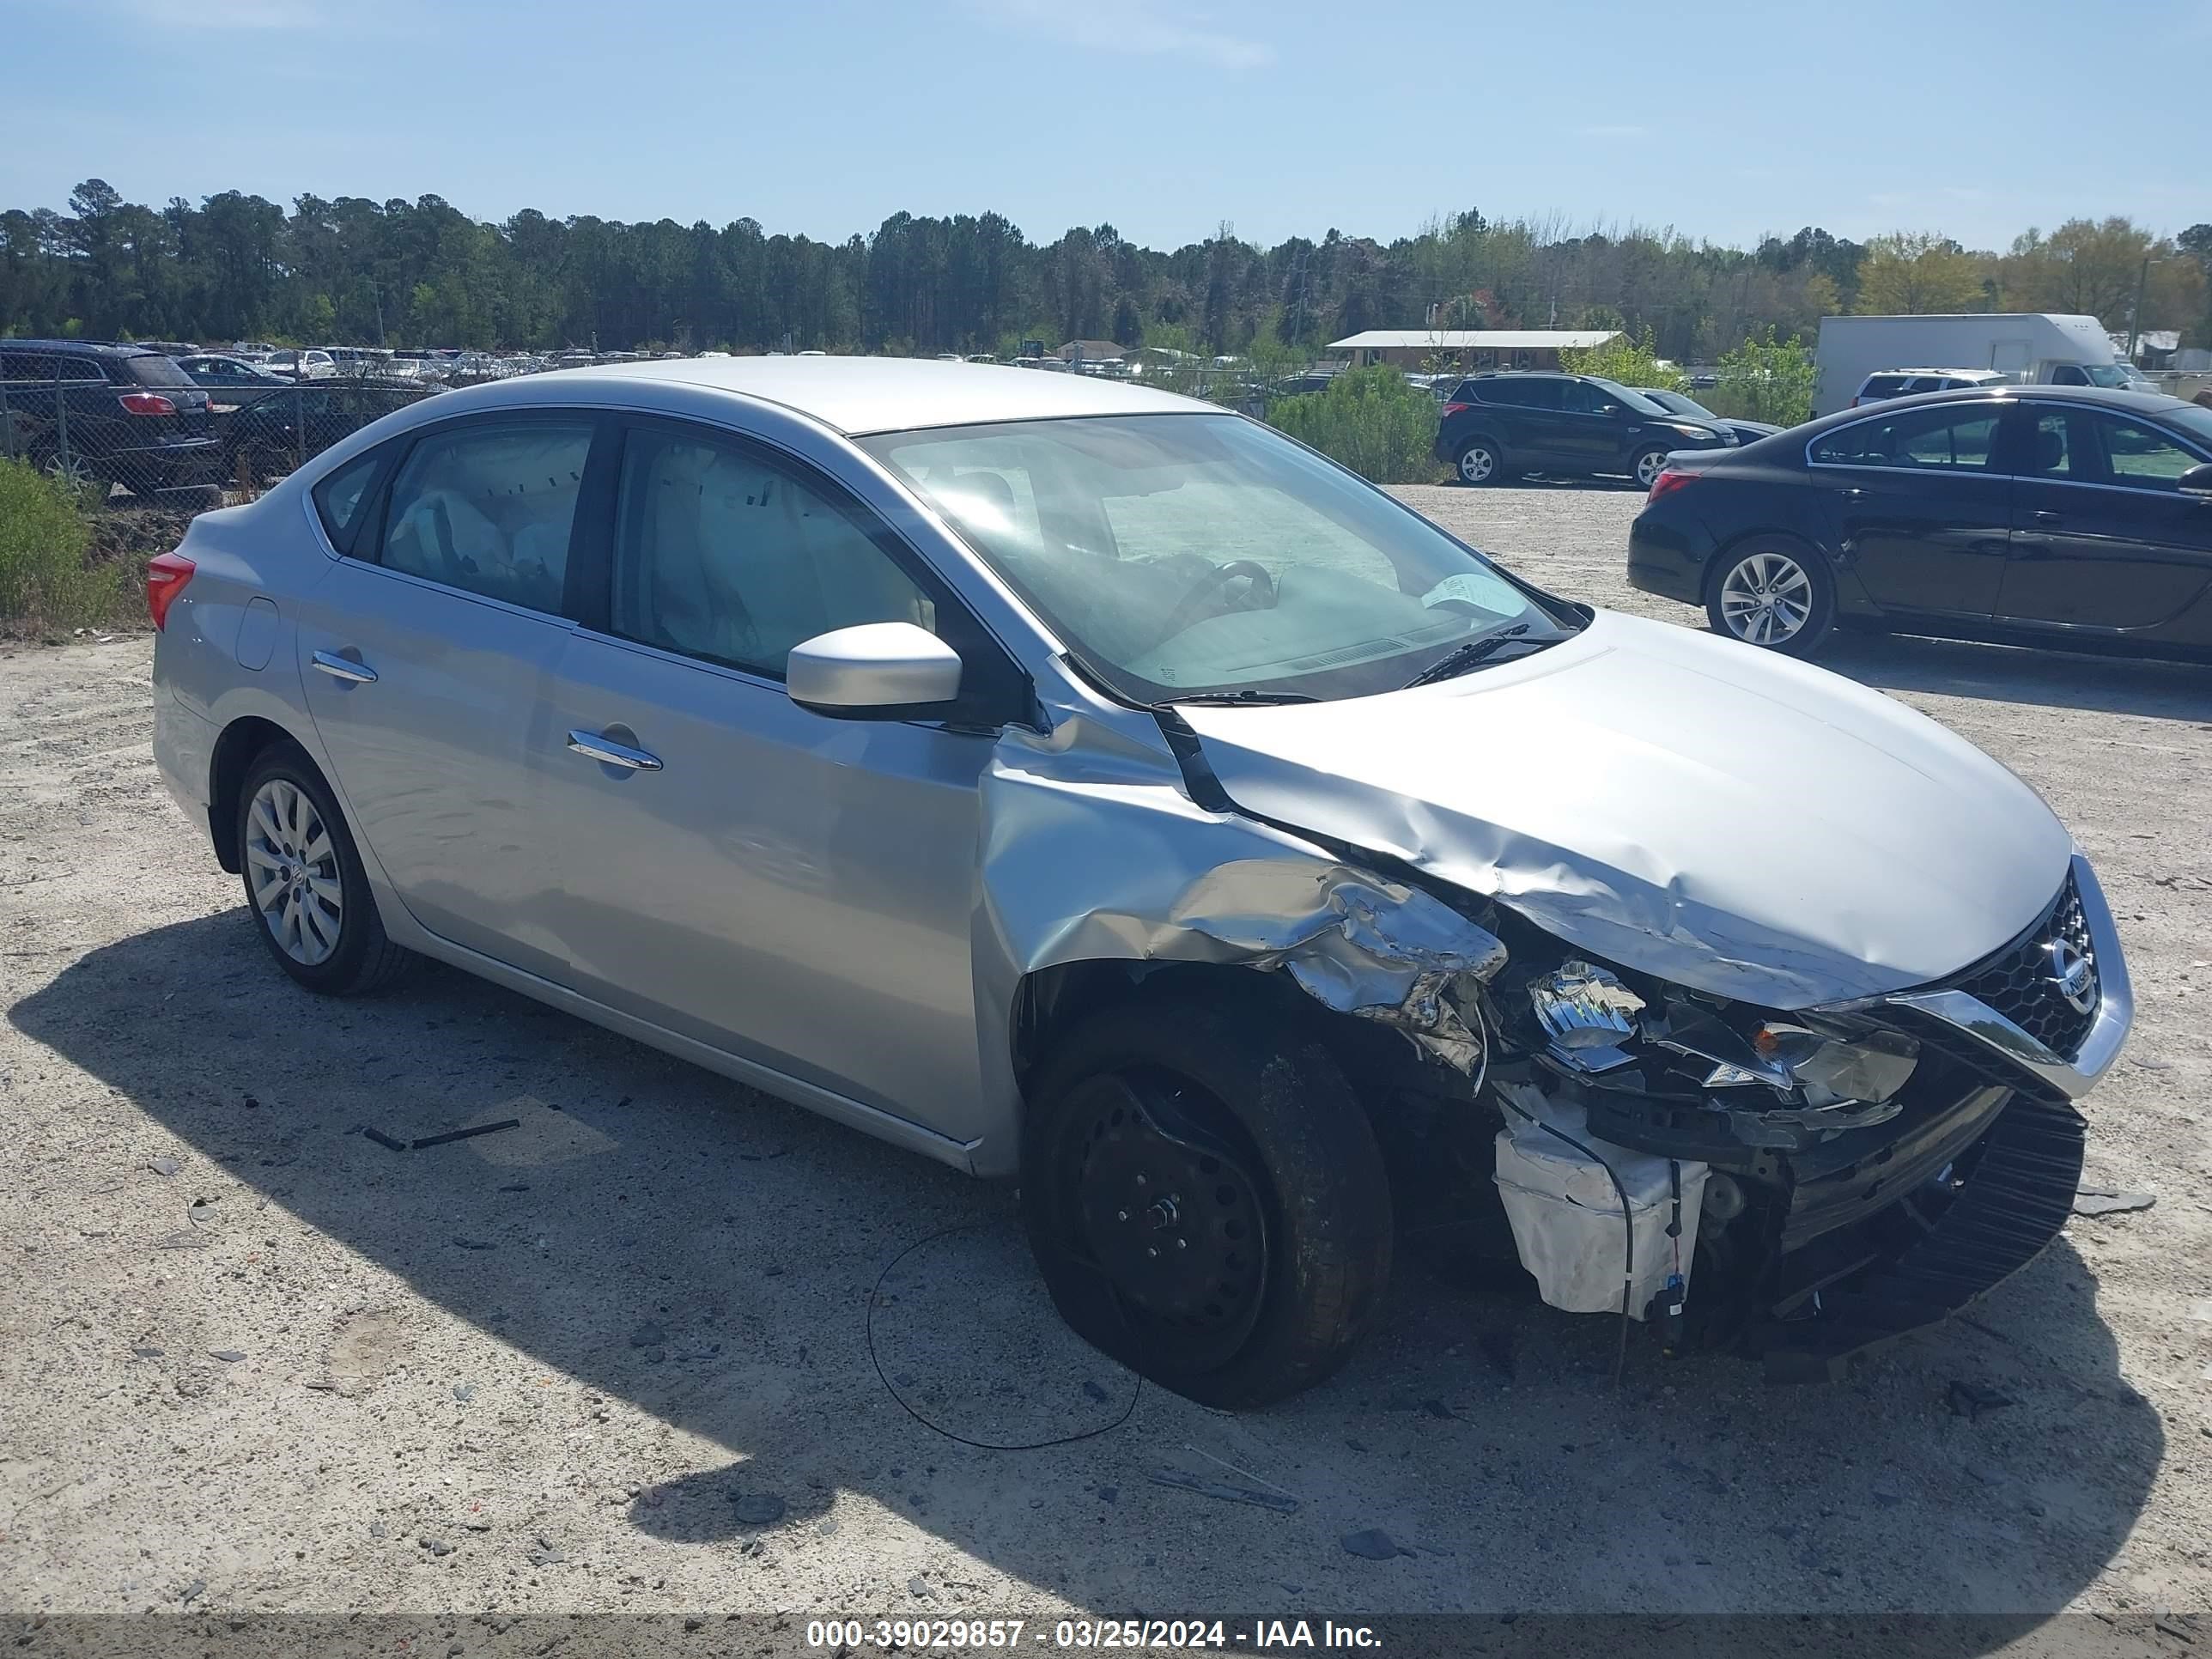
345 668
611 753
2045 515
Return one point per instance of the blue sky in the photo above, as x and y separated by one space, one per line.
1723 119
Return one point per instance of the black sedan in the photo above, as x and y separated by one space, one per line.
2035 514
1677 402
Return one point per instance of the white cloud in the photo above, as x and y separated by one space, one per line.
1131 27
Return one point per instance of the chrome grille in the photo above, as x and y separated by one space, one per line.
2040 981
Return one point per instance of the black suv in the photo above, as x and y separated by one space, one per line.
117 414
1496 425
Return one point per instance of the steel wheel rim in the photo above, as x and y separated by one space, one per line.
1649 466
1197 1302
1476 464
1767 600
292 871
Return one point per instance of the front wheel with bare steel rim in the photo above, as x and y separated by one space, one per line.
1205 1198
1775 594
304 880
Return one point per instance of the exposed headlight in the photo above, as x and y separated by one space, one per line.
1871 1066
1706 432
1581 1006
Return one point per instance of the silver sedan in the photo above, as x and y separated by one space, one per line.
1069 782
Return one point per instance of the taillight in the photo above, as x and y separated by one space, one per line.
148 403
1455 408
166 576
1667 483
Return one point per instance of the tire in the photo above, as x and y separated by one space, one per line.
296 854
1479 462
1272 1271
1802 612
1646 465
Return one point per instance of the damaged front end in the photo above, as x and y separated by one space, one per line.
1861 1169
1805 1183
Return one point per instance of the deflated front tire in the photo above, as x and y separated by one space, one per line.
1205 1199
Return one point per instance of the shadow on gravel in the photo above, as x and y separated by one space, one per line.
664 1238
2009 674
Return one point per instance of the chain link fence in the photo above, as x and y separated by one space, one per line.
120 441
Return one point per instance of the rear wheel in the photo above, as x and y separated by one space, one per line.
1205 1199
1479 462
304 880
1774 594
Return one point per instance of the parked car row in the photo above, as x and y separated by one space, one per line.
172 428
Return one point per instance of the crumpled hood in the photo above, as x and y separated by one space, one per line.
1688 806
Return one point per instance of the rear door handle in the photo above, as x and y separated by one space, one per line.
609 752
2045 515
345 668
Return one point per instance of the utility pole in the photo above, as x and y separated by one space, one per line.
2135 317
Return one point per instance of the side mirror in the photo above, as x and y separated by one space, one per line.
877 671
2197 481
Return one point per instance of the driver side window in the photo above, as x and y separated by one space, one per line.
722 553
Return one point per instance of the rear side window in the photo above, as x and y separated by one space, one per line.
154 370
341 499
488 508
1883 386
1948 438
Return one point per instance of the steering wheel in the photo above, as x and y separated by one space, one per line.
1206 587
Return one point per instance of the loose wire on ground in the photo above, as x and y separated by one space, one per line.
875 1296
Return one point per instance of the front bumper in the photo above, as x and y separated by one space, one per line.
1848 1286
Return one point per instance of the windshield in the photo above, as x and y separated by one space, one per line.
1642 402
2117 376
2192 421
152 370
1677 404
1180 555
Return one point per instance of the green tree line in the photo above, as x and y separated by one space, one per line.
356 271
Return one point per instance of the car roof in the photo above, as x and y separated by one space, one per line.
90 348
860 395
2140 402
1987 374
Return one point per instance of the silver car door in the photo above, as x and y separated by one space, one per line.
794 890
425 662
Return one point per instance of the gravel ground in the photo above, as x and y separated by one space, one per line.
621 1357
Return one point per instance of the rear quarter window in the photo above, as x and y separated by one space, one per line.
343 499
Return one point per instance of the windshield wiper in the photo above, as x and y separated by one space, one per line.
1248 699
1460 657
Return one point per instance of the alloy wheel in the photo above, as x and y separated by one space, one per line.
1767 598
1649 466
1476 464
294 872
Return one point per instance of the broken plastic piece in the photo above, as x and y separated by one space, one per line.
1566 1214
1581 1006
2104 1201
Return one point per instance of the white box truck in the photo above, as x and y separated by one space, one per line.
2031 347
